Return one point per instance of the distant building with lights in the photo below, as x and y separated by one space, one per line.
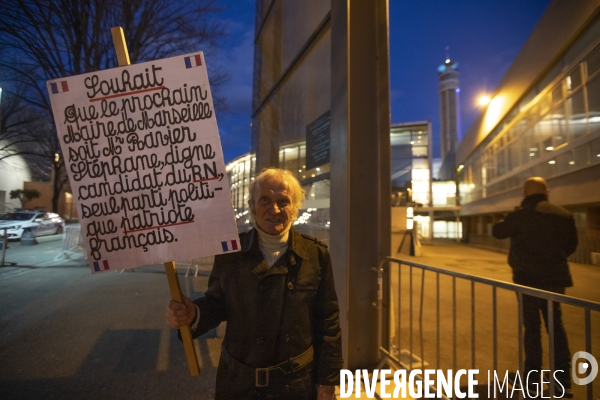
543 120
433 204
415 195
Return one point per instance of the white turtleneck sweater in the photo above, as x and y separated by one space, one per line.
273 246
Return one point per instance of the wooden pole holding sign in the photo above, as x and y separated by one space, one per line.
120 45
186 334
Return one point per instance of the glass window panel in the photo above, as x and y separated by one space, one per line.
420 163
581 156
537 170
523 146
511 115
419 151
477 173
593 62
549 168
574 80
545 105
593 94
532 116
515 160
420 137
399 138
564 163
533 146
501 164
543 130
496 147
548 145
490 170
557 93
559 125
595 145
521 125
576 113
291 160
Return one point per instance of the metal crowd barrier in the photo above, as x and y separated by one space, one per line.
386 349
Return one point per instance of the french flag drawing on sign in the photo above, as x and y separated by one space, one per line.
193 61
59 87
103 267
230 245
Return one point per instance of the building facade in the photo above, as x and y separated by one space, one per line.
411 163
292 102
543 120
13 172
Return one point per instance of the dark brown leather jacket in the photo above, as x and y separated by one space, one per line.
274 314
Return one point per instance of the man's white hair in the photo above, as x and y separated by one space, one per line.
278 175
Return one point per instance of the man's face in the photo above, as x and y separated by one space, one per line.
273 209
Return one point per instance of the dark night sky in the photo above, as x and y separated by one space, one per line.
483 36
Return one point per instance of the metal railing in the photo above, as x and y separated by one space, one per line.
393 286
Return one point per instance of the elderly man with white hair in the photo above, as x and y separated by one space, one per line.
283 336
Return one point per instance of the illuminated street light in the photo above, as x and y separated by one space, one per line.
484 100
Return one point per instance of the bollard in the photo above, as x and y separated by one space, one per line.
3 245
28 239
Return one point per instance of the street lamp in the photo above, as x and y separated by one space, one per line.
484 100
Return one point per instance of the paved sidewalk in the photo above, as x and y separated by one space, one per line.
48 252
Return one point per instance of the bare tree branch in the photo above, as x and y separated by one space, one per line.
41 40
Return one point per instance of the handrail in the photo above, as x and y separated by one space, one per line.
519 290
574 301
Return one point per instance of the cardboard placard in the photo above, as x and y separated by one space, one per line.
144 158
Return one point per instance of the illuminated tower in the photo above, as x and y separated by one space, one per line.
449 106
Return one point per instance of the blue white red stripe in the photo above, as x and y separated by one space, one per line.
59 87
230 245
193 61
101 267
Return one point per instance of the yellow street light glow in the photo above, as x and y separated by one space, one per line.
484 100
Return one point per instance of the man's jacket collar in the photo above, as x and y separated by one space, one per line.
531 200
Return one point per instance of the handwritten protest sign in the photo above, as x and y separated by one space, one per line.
143 155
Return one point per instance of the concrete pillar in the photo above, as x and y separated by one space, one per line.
360 168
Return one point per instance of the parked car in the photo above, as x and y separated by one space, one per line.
40 223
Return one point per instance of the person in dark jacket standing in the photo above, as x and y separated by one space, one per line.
542 236
283 336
